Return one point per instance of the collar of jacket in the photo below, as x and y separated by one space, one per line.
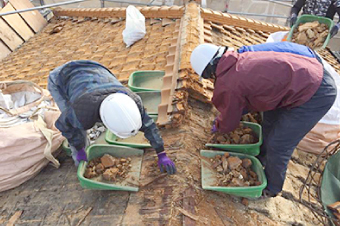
227 61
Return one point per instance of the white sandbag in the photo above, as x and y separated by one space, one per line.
134 26
26 147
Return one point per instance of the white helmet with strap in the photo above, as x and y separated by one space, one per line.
203 55
120 114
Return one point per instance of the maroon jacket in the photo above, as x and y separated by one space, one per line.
262 81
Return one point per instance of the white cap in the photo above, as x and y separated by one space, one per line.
201 56
120 114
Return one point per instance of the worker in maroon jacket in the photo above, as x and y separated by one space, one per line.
284 80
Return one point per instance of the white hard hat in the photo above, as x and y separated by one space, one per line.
201 56
120 114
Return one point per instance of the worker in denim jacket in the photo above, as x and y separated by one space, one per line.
284 80
86 93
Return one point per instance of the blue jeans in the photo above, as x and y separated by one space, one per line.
284 128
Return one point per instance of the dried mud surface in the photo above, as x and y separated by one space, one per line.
138 139
54 196
180 200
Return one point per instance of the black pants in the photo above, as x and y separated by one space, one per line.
283 129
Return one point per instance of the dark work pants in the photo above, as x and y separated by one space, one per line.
283 129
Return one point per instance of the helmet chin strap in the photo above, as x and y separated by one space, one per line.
210 71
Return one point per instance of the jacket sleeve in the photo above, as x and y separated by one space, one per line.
297 6
337 9
231 107
282 47
69 127
151 133
57 93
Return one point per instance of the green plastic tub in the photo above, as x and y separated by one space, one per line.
67 148
249 149
113 139
151 100
98 150
146 81
310 18
209 179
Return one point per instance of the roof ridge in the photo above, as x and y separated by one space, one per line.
174 12
228 19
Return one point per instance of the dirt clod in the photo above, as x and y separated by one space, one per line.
246 163
234 162
100 168
245 201
108 160
254 117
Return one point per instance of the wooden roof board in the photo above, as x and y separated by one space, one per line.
17 23
33 18
8 36
4 50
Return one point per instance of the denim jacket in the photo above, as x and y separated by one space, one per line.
84 84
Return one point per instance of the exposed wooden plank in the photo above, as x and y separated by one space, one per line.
189 204
84 216
8 36
17 23
33 18
4 51
14 218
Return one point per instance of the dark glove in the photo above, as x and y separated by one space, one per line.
293 19
334 30
165 163
214 128
81 155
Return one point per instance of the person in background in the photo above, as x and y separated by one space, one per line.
324 8
86 93
284 80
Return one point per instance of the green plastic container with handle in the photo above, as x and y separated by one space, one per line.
249 149
150 100
98 150
146 81
310 18
113 139
67 148
209 179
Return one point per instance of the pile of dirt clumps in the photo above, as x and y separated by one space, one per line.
254 117
241 135
109 167
233 171
311 34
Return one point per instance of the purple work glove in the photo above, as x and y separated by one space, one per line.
81 155
334 30
165 163
214 127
